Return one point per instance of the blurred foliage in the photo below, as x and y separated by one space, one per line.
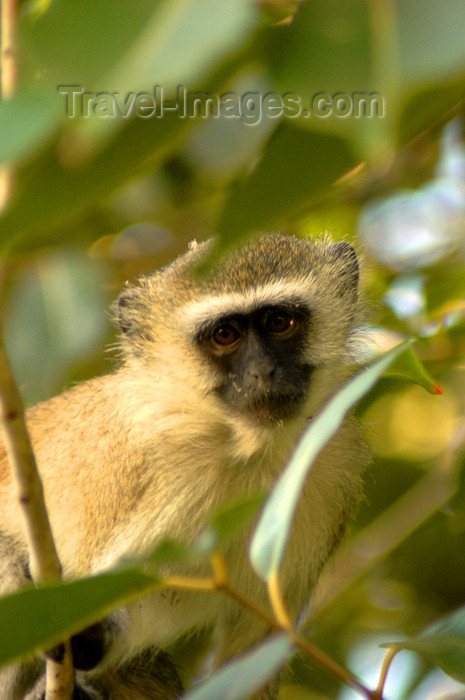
98 200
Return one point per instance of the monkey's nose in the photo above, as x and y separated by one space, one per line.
260 372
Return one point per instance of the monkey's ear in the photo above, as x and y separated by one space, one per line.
127 309
348 268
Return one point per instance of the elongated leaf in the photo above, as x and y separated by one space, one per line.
26 121
183 41
56 307
78 41
132 47
443 642
339 77
296 166
35 619
121 49
270 537
380 50
240 679
408 366
235 516
421 22
56 194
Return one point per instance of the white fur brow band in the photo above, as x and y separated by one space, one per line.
210 308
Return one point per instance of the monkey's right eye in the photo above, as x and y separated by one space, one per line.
225 335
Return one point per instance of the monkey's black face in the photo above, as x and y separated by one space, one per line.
259 354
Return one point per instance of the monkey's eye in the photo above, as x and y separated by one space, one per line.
226 335
280 322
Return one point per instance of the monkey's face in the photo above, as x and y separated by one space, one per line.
264 329
262 373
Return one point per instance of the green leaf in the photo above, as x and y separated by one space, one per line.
296 166
57 193
422 24
163 43
241 678
329 50
234 517
409 367
26 121
270 537
327 46
132 47
443 642
428 106
55 305
363 48
78 41
168 552
182 42
34 619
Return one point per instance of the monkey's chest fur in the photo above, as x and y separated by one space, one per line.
155 473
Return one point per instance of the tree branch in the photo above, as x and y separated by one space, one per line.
9 79
44 562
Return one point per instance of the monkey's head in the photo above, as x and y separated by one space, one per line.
255 331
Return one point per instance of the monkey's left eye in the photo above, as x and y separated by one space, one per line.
226 335
280 322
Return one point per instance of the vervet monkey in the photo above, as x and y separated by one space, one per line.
220 373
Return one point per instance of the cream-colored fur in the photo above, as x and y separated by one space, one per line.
150 450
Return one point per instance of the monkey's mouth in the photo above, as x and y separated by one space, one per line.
269 407
274 408
265 401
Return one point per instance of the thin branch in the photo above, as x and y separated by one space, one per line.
44 563
9 79
282 624
333 667
9 53
305 645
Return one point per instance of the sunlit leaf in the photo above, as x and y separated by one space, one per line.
269 540
241 678
443 642
408 366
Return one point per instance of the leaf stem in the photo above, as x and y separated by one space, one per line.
384 671
277 603
191 584
220 572
278 622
